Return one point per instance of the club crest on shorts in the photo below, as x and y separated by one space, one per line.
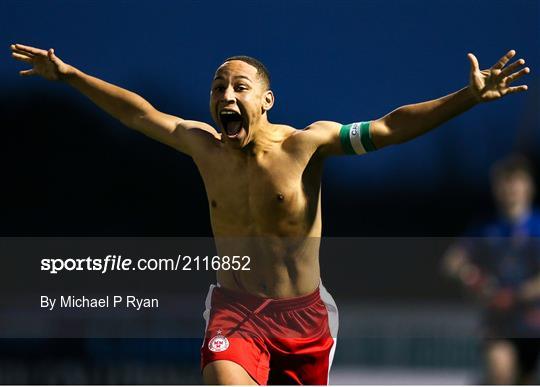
218 343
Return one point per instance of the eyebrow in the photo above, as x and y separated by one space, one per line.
219 77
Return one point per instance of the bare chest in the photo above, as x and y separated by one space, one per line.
257 195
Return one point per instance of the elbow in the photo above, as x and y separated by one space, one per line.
131 122
135 119
384 135
394 133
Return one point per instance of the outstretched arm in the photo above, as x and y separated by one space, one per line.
411 121
458 264
129 108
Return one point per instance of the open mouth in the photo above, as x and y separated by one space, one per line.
231 122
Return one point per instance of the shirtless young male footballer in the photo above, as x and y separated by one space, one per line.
274 324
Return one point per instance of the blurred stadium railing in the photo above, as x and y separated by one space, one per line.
392 343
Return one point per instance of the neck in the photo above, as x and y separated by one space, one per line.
264 136
516 213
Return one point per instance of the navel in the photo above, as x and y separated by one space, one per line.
280 197
213 203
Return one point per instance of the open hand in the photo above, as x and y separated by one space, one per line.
493 83
44 63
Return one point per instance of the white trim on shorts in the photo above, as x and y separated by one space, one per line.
206 313
333 323
331 308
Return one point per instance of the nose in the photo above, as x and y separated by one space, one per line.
228 95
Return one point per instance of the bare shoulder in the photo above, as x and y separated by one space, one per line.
199 136
323 125
317 136
199 127
322 128
312 131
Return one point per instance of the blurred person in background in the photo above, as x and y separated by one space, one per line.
499 263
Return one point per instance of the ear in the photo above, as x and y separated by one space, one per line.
268 100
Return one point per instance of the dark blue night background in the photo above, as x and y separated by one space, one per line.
74 170
69 169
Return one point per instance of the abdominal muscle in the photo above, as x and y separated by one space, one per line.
279 267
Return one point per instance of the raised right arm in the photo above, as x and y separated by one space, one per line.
128 107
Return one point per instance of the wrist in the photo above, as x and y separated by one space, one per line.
473 95
70 74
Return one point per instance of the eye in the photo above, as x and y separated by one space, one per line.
241 88
218 88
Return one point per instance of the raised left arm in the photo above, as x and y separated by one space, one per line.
411 121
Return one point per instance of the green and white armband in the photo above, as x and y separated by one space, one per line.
356 138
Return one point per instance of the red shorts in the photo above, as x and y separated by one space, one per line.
283 341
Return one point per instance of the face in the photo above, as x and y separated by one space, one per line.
238 101
514 192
